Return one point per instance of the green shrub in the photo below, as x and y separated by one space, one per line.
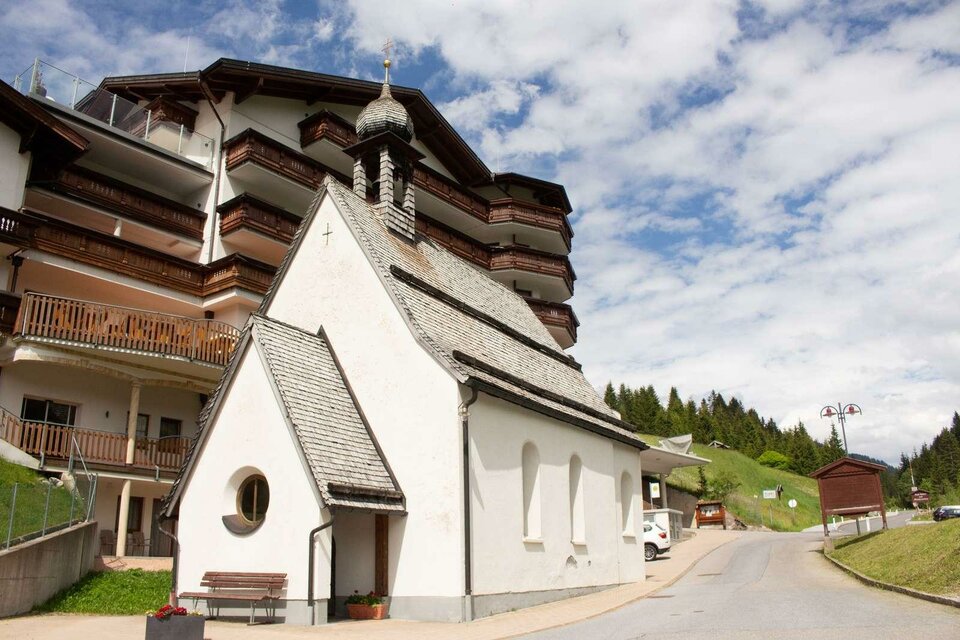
774 460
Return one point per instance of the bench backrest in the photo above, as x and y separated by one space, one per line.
241 580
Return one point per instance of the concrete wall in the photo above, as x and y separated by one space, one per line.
31 573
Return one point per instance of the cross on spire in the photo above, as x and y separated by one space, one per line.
387 48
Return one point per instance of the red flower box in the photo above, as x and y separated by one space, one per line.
367 611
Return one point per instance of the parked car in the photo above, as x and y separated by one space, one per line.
655 541
947 511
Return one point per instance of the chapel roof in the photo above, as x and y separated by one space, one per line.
382 115
483 332
341 451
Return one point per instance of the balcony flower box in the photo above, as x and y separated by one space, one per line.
167 625
368 607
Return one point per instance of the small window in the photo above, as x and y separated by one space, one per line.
253 499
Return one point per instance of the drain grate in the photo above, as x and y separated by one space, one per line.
709 574
654 597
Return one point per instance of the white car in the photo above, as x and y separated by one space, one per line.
655 541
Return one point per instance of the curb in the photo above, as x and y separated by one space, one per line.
913 593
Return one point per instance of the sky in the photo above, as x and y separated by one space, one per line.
765 192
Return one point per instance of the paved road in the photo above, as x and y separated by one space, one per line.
768 585
849 527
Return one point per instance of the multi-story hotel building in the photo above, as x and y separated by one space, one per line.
142 220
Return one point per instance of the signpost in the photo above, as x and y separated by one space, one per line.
918 498
769 494
849 487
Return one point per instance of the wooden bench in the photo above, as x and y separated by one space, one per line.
240 587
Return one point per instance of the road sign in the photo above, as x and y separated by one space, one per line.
655 490
792 503
769 494
920 496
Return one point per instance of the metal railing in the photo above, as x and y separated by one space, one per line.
30 510
43 80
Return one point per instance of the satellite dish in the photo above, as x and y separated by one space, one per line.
792 503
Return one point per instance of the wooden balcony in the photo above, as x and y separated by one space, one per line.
498 258
559 319
326 125
132 260
124 329
126 200
532 261
53 443
254 147
248 213
550 218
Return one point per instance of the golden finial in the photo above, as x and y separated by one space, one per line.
387 47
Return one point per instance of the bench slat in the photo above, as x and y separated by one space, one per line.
226 596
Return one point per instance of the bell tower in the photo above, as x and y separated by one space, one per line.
383 160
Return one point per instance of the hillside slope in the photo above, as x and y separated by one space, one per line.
923 558
754 478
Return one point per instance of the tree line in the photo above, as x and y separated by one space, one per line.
935 467
726 421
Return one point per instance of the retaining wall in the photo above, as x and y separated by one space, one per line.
32 572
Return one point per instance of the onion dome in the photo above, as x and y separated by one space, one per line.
385 115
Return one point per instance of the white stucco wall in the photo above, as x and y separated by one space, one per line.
251 436
14 167
108 490
409 400
102 401
503 560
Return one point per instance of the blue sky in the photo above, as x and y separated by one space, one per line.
765 192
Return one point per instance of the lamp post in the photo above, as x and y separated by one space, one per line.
841 412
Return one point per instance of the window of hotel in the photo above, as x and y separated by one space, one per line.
626 504
578 532
34 410
170 427
253 498
531 492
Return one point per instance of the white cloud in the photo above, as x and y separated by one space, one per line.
850 297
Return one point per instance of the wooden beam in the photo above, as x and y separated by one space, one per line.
242 95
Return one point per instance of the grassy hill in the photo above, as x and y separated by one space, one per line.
754 478
922 558
31 500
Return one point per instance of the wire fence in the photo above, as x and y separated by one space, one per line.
30 510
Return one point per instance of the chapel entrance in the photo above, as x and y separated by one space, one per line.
360 558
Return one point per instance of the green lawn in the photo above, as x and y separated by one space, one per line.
922 558
31 499
754 478
119 593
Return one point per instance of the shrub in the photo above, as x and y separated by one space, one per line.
774 460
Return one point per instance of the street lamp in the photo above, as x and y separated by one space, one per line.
841 412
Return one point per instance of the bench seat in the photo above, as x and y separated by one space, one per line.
240 587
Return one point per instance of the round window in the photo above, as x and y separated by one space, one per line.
253 498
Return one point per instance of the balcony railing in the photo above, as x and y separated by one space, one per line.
247 212
164 126
132 260
121 328
127 200
555 314
510 210
53 442
497 258
252 146
326 125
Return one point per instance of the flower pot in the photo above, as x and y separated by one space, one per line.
175 628
367 611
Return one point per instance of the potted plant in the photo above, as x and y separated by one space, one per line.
368 607
174 623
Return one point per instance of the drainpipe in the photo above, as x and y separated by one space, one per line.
467 543
172 600
218 171
310 555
